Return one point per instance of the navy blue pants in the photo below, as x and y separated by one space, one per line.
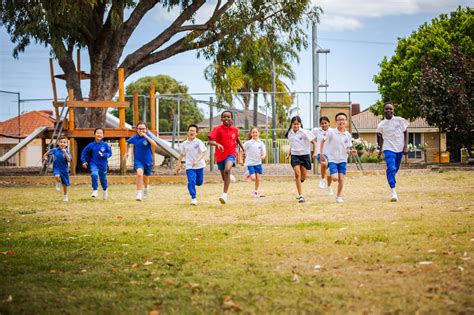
393 160
95 175
195 178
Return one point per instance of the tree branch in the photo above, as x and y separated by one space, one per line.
138 13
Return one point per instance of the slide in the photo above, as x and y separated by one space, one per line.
23 143
164 146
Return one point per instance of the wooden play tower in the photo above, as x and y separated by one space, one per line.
120 133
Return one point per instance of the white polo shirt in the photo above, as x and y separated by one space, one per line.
392 133
254 149
336 145
319 134
191 151
300 141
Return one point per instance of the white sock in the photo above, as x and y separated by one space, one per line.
224 194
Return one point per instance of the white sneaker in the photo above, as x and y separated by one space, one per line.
232 178
58 186
193 202
394 195
139 196
322 184
105 194
65 198
145 192
329 191
94 194
256 194
223 198
339 199
301 199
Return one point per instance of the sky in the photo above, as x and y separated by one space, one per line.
359 34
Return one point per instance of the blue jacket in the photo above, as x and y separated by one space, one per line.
90 154
60 163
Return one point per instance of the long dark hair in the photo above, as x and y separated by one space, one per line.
293 119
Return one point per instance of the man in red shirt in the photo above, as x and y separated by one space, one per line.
225 137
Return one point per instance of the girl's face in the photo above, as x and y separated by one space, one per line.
99 135
324 125
192 132
296 125
62 143
141 129
254 133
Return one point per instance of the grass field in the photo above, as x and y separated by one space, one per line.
270 255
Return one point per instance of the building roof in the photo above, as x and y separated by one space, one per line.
367 120
238 119
29 122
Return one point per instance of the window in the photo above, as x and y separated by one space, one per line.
415 140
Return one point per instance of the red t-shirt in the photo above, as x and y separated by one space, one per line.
227 136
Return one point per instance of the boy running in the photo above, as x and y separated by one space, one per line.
61 158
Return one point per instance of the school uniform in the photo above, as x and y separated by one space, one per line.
392 131
97 164
143 157
254 149
300 142
226 136
61 165
335 146
195 174
319 133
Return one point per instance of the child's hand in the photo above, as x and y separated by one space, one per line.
322 157
353 152
100 153
84 165
195 163
220 147
178 168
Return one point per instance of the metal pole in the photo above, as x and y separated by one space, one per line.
19 127
211 148
179 117
274 146
315 76
157 111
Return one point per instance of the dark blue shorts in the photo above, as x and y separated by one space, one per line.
255 169
63 175
304 160
337 168
319 157
221 164
147 168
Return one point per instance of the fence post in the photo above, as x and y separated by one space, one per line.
211 148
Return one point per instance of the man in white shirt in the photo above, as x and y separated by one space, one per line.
393 136
193 151
339 144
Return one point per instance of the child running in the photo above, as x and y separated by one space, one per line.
394 138
193 151
300 140
95 156
337 144
144 146
225 137
254 154
319 133
61 158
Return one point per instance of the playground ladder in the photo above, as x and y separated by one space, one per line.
356 159
58 129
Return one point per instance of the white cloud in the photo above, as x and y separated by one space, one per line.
348 14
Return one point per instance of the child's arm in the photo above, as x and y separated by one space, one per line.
218 145
380 144
199 158
241 145
84 155
405 144
180 160
67 155
315 152
150 141
263 155
321 155
108 152
350 148
46 154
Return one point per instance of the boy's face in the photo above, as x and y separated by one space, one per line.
388 111
324 125
192 132
226 119
62 143
341 121
141 129
99 135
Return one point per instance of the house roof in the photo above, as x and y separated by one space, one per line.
367 120
238 119
29 122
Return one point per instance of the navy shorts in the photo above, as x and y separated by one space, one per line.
147 168
221 164
63 175
304 160
255 169
337 168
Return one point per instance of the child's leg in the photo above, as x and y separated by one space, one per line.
324 167
94 176
199 176
146 181
341 184
65 189
257 181
57 178
103 180
390 160
303 173
139 179
297 171
191 174
227 170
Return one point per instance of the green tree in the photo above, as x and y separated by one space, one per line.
164 84
400 75
104 27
